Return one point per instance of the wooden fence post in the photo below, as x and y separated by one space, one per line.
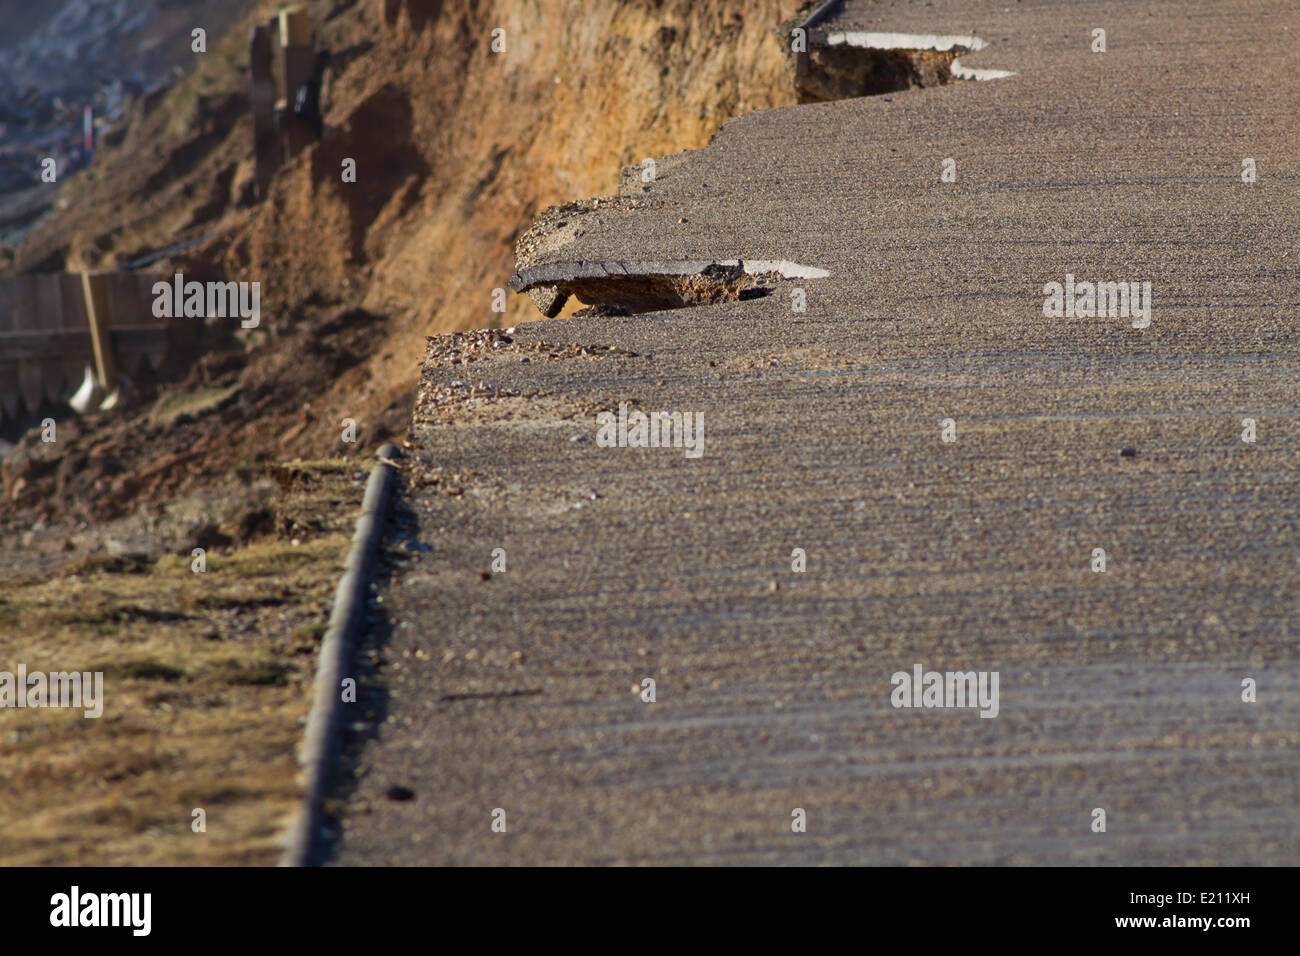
297 64
266 141
97 313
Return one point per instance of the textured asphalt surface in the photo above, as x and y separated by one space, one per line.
1121 690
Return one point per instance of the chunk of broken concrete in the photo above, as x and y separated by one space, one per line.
548 299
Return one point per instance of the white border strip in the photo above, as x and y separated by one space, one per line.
905 41
921 41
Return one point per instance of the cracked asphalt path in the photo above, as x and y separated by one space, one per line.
1122 690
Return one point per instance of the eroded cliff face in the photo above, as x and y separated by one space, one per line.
457 146
465 146
581 90
458 149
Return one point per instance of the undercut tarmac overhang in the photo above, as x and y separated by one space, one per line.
636 287
846 63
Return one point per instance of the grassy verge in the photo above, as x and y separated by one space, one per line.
206 682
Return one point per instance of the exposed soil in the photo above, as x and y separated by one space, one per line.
212 431
839 72
457 148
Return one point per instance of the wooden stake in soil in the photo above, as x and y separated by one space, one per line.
266 141
297 64
92 289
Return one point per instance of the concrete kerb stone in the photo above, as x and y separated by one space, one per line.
321 740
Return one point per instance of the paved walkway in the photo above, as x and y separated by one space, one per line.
1119 690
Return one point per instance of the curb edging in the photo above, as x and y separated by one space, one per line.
321 738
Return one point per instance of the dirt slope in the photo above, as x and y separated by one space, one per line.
457 149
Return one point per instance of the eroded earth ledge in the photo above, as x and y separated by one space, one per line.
628 288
